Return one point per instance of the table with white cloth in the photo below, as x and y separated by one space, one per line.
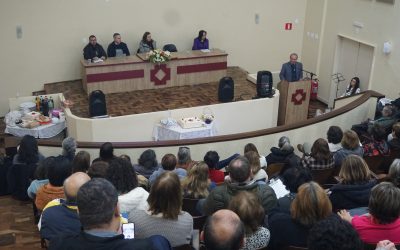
43 131
176 132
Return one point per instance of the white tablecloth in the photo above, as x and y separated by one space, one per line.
162 133
44 131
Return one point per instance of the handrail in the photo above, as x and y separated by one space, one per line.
364 97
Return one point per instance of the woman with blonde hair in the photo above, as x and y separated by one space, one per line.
394 173
311 205
355 184
256 171
350 146
197 185
251 147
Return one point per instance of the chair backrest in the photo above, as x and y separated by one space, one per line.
274 169
198 222
322 176
170 47
375 163
97 103
189 205
19 177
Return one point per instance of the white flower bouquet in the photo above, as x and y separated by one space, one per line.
159 56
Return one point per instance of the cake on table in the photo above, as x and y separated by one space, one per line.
190 122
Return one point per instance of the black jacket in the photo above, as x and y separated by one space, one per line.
351 196
90 51
112 47
278 155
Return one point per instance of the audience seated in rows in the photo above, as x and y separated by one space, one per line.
257 173
147 163
292 178
58 171
168 163
184 159
41 176
394 173
310 206
69 148
394 137
223 230
376 144
334 137
164 215
106 152
283 153
81 162
251 147
130 197
350 146
247 206
320 156
197 185
60 216
333 233
383 220
211 159
99 214
355 184
24 165
240 180
98 169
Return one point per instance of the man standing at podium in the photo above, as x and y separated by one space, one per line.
291 71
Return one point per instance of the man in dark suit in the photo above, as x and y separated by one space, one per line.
291 71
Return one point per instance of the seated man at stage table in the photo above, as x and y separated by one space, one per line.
292 71
117 47
93 50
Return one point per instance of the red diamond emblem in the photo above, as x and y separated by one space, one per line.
160 74
298 97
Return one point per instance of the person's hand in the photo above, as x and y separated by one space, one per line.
345 215
385 245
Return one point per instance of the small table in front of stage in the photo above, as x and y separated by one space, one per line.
163 133
43 131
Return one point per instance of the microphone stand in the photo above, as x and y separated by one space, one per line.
337 78
311 74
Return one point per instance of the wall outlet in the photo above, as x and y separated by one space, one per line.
18 31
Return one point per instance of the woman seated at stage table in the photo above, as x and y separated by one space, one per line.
201 41
147 43
353 87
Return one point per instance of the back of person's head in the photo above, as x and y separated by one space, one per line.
387 111
396 130
320 150
223 230
107 151
59 170
283 141
81 162
121 174
394 172
126 157
333 233
166 196
148 159
247 206
254 161
354 170
239 169
196 183
311 204
334 134
72 185
97 200
211 159
350 140
384 203
201 32
294 177
28 150
251 147
184 155
168 162
42 170
69 147
377 132
98 169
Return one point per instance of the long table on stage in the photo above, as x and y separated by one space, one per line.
122 74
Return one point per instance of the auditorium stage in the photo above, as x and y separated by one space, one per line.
144 101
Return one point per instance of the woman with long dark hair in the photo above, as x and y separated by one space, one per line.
147 43
353 87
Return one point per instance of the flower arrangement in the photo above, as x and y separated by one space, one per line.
159 56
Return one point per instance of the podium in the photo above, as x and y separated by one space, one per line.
293 102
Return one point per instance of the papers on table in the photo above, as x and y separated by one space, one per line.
205 50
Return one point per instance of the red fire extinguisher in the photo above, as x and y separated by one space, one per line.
314 89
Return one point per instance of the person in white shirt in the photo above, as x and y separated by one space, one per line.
353 87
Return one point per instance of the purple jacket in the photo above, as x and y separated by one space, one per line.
197 44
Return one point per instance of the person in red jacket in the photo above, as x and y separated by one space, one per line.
211 159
